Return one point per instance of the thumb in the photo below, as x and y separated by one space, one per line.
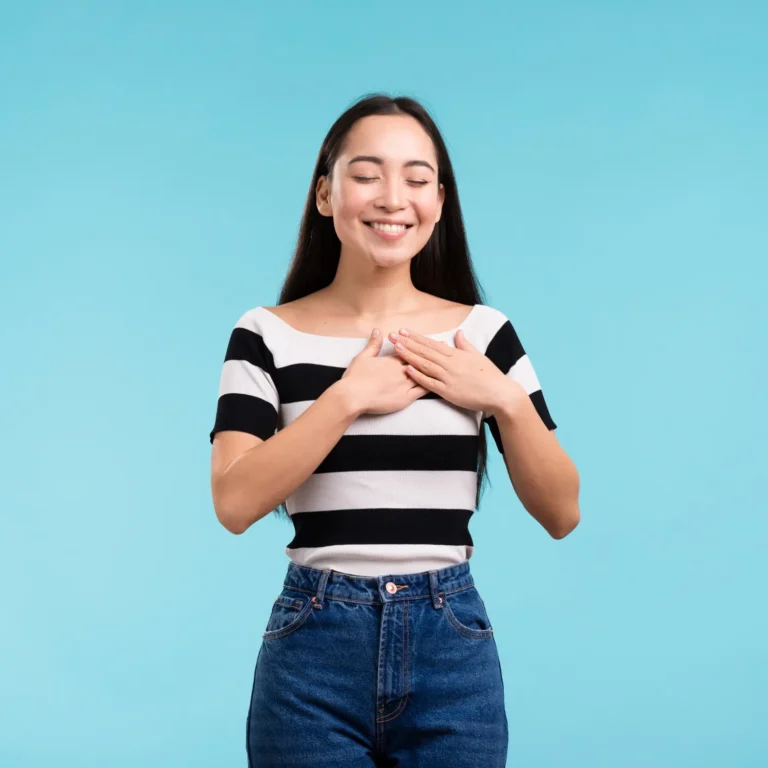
461 340
374 343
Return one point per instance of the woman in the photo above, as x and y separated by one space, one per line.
378 649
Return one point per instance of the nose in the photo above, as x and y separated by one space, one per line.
391 195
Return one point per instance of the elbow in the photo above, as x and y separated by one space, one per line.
229 516
236 519
570 514
566 527
232 523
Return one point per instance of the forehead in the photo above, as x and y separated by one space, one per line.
391 137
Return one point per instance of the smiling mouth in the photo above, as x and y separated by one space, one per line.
388 227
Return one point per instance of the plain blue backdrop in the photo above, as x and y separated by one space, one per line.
612 164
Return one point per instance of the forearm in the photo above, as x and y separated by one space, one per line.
267 474
542 474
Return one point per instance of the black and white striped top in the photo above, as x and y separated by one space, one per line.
396 493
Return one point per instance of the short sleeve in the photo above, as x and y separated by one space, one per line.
248 399
507 353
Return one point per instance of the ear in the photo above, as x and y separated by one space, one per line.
441 200
323 196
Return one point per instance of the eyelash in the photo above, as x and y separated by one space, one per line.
373 178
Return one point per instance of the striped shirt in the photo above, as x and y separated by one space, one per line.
396 492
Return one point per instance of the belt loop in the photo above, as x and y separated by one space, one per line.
317 600
434 589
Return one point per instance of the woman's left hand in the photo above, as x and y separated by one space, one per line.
463 375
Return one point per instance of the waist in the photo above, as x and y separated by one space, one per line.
337 585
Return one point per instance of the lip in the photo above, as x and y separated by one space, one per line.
388 221
389 235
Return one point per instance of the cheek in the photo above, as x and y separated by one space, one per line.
346 221
351 202
427 210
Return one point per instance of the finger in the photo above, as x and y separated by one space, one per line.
438 347
423 365
373 346
433 385
416 347
461 340
417 391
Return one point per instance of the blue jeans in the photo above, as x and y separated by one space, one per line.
398 670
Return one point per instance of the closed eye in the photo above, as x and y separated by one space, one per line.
365 179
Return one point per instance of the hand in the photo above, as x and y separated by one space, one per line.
463 375
379 384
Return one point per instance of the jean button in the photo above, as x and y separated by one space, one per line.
390 587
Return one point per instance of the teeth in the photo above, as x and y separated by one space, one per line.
389 227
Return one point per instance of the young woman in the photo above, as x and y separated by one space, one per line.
356 406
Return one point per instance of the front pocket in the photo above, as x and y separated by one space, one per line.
288 614
466 612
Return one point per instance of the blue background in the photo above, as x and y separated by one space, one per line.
612 164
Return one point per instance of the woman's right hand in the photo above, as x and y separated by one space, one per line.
380 384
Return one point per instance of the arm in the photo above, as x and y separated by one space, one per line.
544 477
248 484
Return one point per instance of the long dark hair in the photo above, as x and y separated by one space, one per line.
443 267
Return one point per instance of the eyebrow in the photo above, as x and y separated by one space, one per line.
379 161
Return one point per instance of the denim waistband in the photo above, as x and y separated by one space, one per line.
336 585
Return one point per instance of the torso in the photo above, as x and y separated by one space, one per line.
317 315
395 494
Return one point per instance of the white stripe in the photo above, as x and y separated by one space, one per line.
421 417
401 489
522 372
491 320
244 378
380 559
289 346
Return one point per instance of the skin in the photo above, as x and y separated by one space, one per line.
372 286
364 190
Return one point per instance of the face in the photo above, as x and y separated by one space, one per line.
383 191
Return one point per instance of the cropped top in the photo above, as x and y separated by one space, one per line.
396 492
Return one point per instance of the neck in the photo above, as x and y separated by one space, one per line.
362 287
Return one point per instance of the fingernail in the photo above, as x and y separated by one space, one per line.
376 333
403 331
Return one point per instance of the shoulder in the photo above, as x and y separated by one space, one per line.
271 327
260 326
492 333
488 322
263 316
252 319
490 316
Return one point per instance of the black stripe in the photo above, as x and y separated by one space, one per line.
245 413
505 349
304 381
241 412
381 526
539 403
249 346
402 452
307 381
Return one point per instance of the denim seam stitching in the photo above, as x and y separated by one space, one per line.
299 621
374 602
479 634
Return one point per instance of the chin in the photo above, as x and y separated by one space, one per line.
387 263
390 257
